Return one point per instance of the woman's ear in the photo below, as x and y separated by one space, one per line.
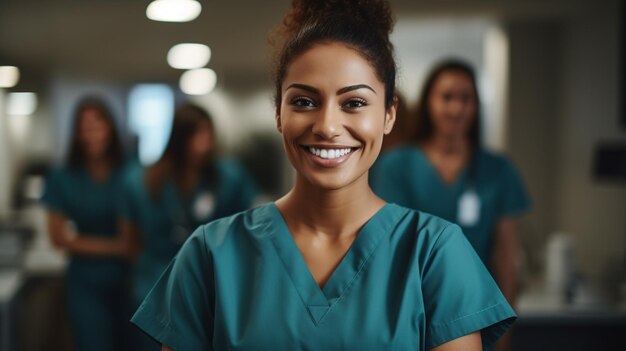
279 125
390 116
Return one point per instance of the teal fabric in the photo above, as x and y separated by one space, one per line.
166 222
97 286
409 282
406 177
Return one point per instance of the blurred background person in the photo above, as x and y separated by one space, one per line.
81 199
449 174
188 186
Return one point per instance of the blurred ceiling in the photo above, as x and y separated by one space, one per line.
113 39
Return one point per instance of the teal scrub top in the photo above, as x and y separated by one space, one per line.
91 206
410 281
166 222
407 177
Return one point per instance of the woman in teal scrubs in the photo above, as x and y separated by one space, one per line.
450 175
85 192
330 265
187 187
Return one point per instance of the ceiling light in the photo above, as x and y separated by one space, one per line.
173 10
188 56
9 76
21 104
199 81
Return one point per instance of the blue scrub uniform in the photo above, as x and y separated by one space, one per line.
97 286
486 191
408 282
166 222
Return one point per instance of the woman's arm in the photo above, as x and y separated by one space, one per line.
469 342
120 245
504 263
505 257
165 348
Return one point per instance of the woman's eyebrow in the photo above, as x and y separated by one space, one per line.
304 87
339 92
354 87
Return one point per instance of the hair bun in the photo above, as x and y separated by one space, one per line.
375 14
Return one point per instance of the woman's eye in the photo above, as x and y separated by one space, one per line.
355 103
302 102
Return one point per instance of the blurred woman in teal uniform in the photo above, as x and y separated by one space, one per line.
188 186
448 173
85 192
330 265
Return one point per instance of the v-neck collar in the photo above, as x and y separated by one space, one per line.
459 179
319 301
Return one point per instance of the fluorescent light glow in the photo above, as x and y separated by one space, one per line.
151 111
9 76
199 81
21 104
188 56
173 10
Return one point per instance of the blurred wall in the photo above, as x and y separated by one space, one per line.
532 126
564 85
594 212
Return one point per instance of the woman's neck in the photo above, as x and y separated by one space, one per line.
330 213
448 146
188 179
99 169
449 156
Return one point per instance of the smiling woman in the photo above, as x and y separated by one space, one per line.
329 265
332 129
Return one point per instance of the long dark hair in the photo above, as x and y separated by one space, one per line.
425 127
363 25
187 118
76 154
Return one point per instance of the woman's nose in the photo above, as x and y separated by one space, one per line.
327 123
456 106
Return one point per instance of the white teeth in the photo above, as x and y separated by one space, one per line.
329 154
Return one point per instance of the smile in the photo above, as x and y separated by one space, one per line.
329 154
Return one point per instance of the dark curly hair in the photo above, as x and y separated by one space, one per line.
425 127
363 25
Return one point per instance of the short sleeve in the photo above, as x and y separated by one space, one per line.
460 295
178 310
53 195
514 197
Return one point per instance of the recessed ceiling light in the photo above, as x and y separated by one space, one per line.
9 76
188 56
173 10
199 81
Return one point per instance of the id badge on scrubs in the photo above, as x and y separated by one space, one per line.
203 206
469 208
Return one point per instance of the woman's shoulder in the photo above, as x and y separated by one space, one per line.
132 174
252 224
64 174
426 228
399 153
494 160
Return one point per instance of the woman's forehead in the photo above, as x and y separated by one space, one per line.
343 65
